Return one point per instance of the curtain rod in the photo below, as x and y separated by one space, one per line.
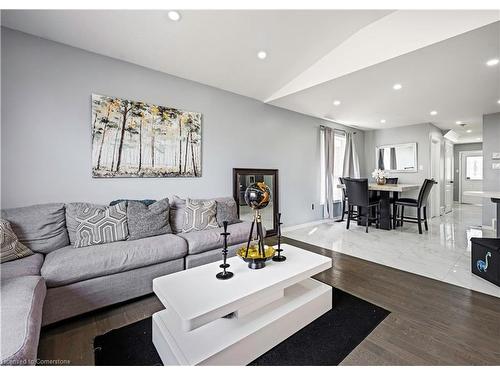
339 130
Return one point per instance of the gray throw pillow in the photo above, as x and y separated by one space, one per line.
177 208
72 210
11 248
227 211
148 220
199 214
101 225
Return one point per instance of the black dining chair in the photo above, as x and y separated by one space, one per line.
358 195
420 204
344 199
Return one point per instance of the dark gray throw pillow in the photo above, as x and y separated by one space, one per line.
147 202
227 211
148 220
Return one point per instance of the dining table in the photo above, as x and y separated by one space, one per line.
384 193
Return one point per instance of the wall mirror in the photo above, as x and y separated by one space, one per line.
397 158
242 178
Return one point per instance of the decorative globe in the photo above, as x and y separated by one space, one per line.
258 195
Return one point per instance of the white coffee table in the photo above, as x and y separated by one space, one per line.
208 321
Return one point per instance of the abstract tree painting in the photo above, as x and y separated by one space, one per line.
135 139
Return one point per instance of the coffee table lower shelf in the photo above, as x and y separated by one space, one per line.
238 341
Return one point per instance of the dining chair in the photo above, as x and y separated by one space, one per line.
420 204
344 199
358 195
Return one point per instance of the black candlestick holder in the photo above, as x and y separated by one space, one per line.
225 274
279 257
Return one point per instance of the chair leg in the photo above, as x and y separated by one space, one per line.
402 217
377 217
343 210
419 220
394 215
425 218
349 210
367 220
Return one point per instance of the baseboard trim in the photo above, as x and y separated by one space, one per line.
308 224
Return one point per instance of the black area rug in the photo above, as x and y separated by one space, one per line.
326 341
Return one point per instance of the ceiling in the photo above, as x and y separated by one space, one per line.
217 48
313 57
450 77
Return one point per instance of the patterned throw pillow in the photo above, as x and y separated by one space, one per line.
101 225
148 220
199 214
227 211
11 248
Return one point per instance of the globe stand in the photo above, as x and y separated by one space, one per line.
257 222
225 274
279 257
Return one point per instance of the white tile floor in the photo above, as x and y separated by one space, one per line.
442 253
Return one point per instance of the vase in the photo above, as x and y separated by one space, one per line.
380 180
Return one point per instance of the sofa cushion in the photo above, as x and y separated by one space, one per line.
21 318
227 211
210 239
10 247
177 208
29 266
199 214
70 265
72 210
148 220
42 227
97 226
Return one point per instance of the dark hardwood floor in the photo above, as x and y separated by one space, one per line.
431 323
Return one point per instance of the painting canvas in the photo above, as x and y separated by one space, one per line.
136 139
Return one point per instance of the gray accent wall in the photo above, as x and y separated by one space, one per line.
457 149
419 133
46 136
491 177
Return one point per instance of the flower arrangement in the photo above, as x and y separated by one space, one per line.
380 175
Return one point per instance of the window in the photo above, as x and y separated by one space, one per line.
474 168
338 164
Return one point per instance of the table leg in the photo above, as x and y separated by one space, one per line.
385 210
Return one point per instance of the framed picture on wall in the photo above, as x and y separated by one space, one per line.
137 139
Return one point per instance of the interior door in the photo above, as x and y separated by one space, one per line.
471 175
448 176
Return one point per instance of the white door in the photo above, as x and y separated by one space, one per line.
471 175
448 176
435 197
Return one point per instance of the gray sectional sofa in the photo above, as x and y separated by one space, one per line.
60 281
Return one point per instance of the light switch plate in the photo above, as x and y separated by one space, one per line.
495 166
495 155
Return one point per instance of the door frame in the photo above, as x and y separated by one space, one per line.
461 155
438 173
447 143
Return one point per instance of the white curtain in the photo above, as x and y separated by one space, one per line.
328 152
351 160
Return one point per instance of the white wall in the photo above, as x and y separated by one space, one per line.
46 138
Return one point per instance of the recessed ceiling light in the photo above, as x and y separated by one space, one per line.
478 139
458 122
397 86
336 102
469 131
434 113
262 55
174 16
492 62
382 121
498 101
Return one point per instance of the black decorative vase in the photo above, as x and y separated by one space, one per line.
225 274
278 257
